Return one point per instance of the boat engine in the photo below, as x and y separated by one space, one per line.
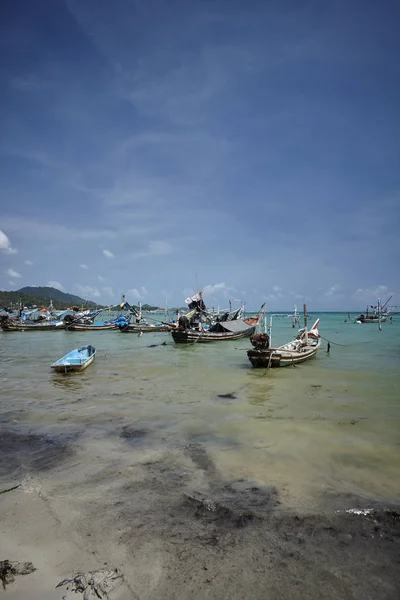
260 341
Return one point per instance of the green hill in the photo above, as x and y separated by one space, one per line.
41 296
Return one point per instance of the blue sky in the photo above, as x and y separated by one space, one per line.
156 147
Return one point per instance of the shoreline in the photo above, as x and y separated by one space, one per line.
176 533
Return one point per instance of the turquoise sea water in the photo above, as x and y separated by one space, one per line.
330 426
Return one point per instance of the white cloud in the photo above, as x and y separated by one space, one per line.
83 266
222 288
55 284
87 291
29 263
380 290
335 289
155 248
11 282
276 288
297 296
108 254
138 294
13 273
100 278
5 244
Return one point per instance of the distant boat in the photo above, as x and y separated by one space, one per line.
76 360
302 348
378 315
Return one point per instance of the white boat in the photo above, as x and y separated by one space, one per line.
76 360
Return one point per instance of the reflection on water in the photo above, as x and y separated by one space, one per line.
330 424
69 381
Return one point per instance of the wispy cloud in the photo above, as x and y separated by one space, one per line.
5 244
87 292
84 267
155 248
137 294
108 254
29 83
14 274
108 291
56 284
333 290
28 263
218 288
371 294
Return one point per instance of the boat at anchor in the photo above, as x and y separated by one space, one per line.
302 348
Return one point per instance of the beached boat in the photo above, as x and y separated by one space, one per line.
302 348
198 326
76 360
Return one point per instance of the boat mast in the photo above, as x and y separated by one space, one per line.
305 323
270 330
379 315
295 318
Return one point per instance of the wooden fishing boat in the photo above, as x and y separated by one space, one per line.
141 325
234 329
76 360
304 347
99 326
10 325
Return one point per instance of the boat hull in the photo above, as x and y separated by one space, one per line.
82 327
145 328
373 320
32 327
279 357
190 336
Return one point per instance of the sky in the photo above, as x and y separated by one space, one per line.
158 147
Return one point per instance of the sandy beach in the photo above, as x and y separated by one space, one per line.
174 527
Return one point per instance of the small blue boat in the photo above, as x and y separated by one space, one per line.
76 360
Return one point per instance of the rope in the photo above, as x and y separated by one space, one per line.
329 341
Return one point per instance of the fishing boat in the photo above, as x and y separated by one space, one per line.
141 325
97 326
76 360
199 326
302 348
145 327
10 325
378 315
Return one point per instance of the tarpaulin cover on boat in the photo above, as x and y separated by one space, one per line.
233 326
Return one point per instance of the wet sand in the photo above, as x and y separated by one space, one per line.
178 528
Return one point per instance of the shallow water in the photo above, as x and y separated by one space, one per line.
326 428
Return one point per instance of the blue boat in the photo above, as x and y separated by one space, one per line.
76 360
